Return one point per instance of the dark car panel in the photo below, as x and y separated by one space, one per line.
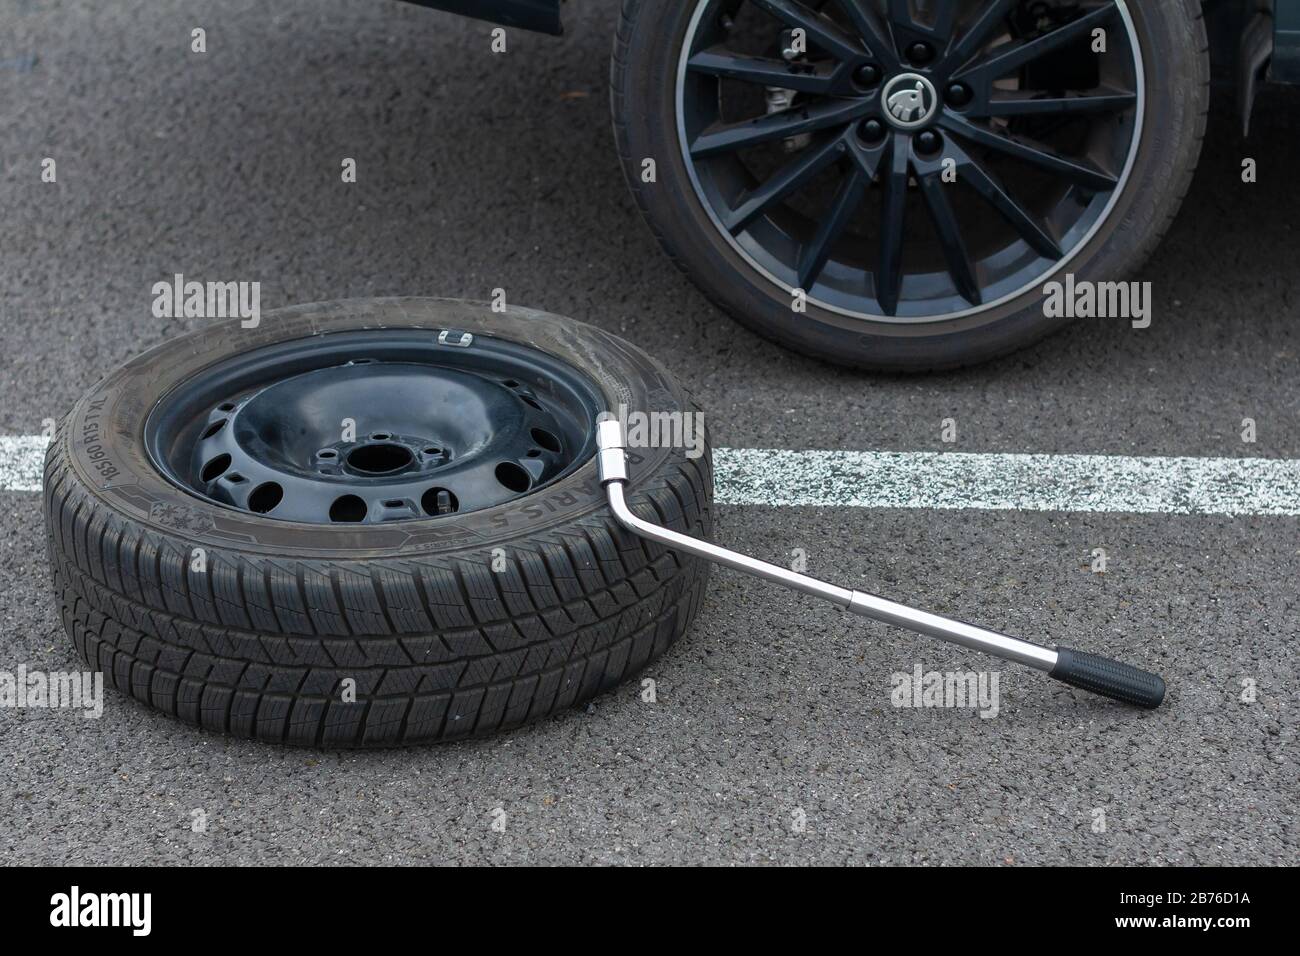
1286 53
1229 21
542 16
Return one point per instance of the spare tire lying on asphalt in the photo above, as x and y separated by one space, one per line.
370 523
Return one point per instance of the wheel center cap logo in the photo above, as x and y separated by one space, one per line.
910 100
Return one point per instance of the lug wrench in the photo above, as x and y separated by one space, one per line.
1099 675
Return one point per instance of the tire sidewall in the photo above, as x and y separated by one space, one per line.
103 436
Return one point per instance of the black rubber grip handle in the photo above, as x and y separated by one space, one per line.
1109 678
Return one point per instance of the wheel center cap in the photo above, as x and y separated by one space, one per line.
910 101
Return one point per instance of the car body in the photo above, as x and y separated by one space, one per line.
541 16
801 154
1230 26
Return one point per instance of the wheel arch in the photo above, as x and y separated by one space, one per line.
540 16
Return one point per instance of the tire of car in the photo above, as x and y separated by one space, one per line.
355 631
672 65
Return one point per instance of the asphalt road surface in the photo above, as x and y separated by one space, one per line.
772 737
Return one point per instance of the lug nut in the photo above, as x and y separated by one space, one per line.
871 131
928 143
920 52
867 75
959 94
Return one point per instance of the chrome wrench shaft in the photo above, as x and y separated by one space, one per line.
1099 675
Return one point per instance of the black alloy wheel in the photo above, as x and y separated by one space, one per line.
882 106
892 183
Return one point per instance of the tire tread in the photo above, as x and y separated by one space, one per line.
440 646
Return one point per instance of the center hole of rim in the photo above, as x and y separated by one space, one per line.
379 459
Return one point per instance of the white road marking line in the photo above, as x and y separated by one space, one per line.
22 461
940 480
950 480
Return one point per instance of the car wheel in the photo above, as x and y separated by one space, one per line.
369 523
890 184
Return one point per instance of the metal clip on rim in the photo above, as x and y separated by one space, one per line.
1087 671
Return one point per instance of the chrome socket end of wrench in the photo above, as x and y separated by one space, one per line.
611 457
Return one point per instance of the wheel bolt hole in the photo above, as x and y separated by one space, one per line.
348 508
439 501
546 440
920 52
513 478
226 407
265 497
327 453
214 468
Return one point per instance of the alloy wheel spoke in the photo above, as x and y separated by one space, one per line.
764 129
1105 100
863 17
1011 56
889 277
980 30
987 185
822 32
945 12
814 256
794 175
717 61
1079 171
933 189
868 158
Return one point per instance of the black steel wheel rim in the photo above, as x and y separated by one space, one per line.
375 426
825 170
